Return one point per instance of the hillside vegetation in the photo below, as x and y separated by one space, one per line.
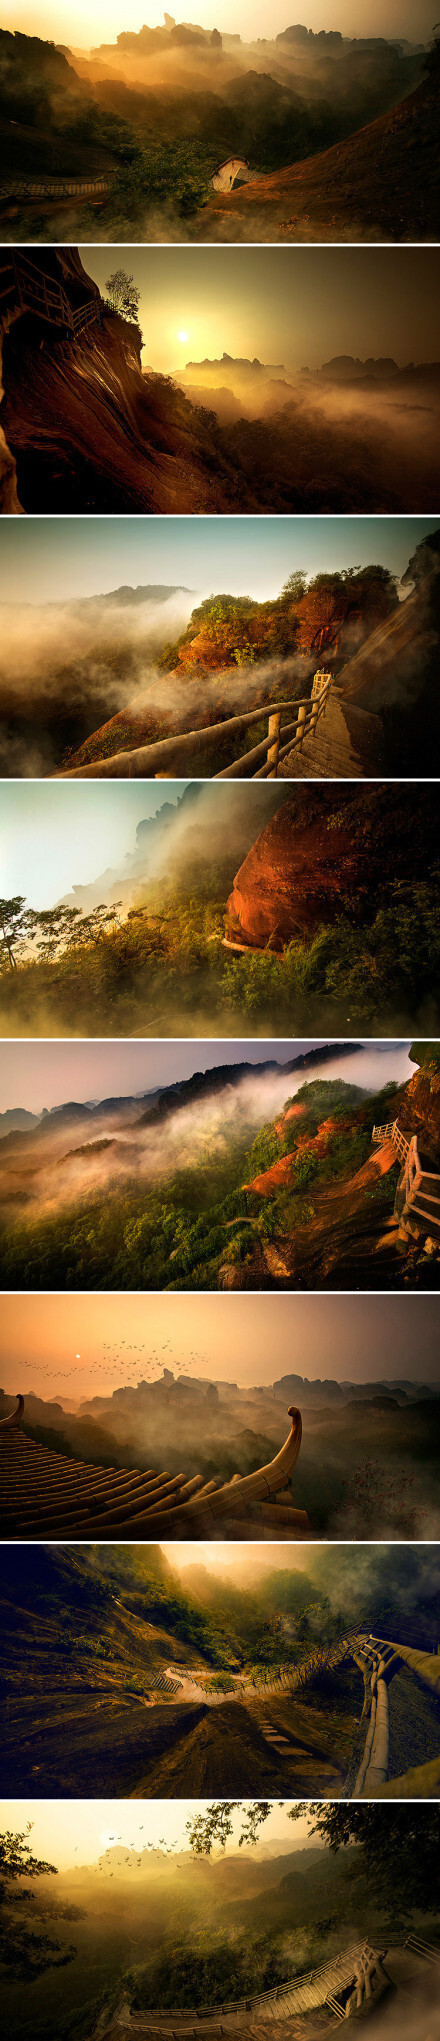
334 912
158 131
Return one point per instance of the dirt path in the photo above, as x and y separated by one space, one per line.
229 1752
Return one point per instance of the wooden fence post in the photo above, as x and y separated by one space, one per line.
273 733
302 713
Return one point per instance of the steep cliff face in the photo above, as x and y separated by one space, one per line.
395 671
86 429
89 432
329 851
417 1106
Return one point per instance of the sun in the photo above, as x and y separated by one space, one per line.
182 336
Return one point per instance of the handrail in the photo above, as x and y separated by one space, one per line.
309 1982
273 750
35 1493
44 295
419 1197
148 760
53 187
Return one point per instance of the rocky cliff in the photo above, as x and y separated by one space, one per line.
328 852
394 673
84 430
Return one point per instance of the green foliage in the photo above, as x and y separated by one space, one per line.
400 1845
426 1055
164 176
197 1974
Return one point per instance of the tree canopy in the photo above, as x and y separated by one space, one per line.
25 1953
124 294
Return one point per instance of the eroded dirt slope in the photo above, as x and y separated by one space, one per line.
380 184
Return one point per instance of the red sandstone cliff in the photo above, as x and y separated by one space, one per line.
329 851
87 431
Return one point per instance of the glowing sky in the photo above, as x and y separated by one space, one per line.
35 1074
61 1346
49 559
83 24
296 306
51 840
72 1833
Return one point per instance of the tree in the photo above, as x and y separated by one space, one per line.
216 1826
400 1844
15 921
295 586
23 1953
124 294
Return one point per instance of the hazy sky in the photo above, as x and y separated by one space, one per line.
72 1833
37 1073
49 559
63 1346
51 840
290 306
83 24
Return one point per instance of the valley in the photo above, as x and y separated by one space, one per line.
119 1667
126 140
197 1189
90 428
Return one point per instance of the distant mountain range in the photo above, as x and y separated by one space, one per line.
117 598
167 1098
133 598
328 1391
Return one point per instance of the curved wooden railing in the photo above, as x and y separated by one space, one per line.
170 753
343 1984
282 739
379 1658
419 1196
24 287
299 1994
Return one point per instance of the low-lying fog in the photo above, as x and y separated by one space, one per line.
69 1162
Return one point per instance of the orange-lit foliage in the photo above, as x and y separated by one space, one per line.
225 630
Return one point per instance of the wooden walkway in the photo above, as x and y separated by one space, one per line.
300 1994
347 744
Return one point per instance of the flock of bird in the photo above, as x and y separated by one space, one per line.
122 1359
103 1866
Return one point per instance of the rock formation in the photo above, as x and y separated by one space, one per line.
328 851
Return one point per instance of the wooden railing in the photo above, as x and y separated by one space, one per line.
281 739
24 285
428 1950
343 1983
392 1132
54 187
422 1186
299 1994
166 755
